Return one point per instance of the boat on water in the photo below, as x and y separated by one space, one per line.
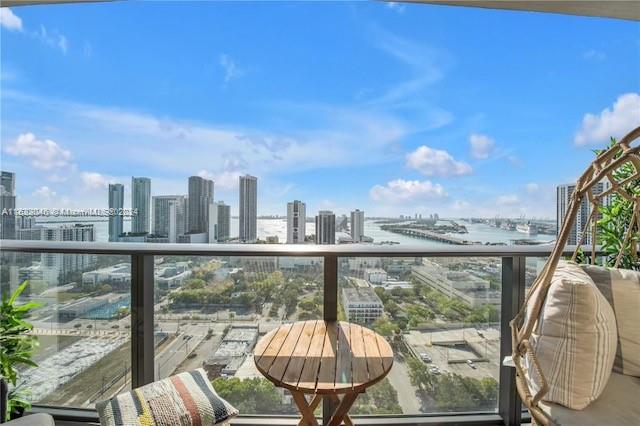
527 228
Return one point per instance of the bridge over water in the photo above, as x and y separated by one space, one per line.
428 235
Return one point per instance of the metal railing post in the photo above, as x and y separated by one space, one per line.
513 283
330 313
330 287
142 338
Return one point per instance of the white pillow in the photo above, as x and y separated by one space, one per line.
574 339
621 288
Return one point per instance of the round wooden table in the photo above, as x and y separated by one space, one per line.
332 359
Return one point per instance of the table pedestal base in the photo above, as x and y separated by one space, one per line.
339 416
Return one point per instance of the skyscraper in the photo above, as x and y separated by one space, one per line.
162 214
200 196
224 221
357 225
248 210
141 202
7 183
325 227
116 202
580 225
212 223
8 202
65 264
296 222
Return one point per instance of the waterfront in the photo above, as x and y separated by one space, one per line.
477 232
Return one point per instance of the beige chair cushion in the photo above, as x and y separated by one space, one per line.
621 288
574 339
617 406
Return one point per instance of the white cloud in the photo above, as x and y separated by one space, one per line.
395 6
508 200
223 180
594 55
341 140
436 162
42 154
45 192
481 146
62 43
514 160
10 20
426 66
231 70
93 180
531 187
87 49
158 147
53 39
614 122
401 190
461 205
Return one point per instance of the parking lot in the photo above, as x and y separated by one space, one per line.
451 350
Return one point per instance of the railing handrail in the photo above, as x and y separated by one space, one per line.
266 250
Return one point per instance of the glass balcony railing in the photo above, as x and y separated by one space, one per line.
116 316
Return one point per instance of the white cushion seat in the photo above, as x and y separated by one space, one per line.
618 405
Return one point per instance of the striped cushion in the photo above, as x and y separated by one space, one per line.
187 399
574 339
621 288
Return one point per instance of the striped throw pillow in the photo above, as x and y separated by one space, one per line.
574 339
186 399
621 288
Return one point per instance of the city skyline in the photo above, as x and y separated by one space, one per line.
421 136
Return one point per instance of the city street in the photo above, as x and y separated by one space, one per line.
400 380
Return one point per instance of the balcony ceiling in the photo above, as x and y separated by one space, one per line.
620 9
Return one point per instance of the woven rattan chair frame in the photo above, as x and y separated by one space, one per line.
522 326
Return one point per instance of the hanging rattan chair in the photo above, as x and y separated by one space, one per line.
523 325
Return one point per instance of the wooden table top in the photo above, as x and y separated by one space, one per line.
323 357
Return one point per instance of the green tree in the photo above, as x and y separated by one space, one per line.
453 392
105 288
194 283
251 396
384 327
379 399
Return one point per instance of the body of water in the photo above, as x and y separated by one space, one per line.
278 227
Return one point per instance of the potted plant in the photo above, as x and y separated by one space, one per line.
17 347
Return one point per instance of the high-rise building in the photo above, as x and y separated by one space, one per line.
7 183
224 221
200 196
141 202
325 227
248 209
357 225
116 202
162 214
296 222
580 224
65 264
7 205
213 223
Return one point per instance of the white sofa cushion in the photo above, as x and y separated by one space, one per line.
621 288
617 406
574 339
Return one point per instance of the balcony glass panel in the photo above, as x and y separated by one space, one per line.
82 325
442 316
211 311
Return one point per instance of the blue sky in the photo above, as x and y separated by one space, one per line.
394 109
